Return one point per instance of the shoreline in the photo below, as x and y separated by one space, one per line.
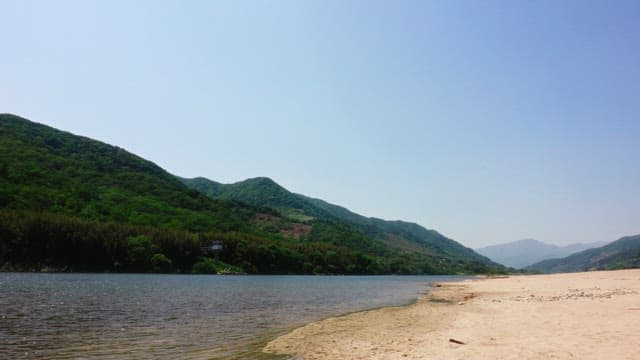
577 315
290 344
266 339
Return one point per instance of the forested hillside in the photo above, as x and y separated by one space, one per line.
69 203
400 235
623 253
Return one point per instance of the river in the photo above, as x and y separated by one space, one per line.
67 316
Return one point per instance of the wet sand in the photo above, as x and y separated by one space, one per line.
594 315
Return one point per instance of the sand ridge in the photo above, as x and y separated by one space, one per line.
594 315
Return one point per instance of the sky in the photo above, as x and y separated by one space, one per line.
489 121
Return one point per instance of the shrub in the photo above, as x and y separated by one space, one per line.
208 265
160 263
138 250
205 266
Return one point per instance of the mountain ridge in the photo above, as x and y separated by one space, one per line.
71 202
620 254
396 233
522 253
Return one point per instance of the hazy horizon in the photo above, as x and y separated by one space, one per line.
489 122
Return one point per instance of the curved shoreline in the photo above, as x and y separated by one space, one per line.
266 339
538 316
327 338
255 350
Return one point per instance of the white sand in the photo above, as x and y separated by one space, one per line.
593 315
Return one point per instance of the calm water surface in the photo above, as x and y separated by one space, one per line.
66 316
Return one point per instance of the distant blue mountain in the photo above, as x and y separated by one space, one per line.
522 253
623 253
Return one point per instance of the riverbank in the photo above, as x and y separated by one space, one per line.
590 315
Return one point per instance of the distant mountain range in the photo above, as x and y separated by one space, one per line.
621 254
522 253
69 203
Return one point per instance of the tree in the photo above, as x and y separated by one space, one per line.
139 251
160 263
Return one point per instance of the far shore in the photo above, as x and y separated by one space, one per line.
592 315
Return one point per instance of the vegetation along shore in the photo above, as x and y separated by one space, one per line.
69 203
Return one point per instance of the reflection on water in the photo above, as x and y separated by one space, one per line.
66 316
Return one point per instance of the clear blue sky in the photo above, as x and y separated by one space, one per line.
489 121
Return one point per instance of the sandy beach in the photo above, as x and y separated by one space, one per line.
594 315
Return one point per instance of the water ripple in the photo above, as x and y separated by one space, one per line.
110 316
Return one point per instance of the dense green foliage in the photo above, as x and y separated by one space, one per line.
207 265
623 253
35 241
263 191
49 170
399 235
69 203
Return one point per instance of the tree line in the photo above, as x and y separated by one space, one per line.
33 241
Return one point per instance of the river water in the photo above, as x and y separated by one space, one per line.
69 316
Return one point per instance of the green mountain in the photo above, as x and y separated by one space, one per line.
620 254
400 235
76 204
262 191
522 253
43 169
